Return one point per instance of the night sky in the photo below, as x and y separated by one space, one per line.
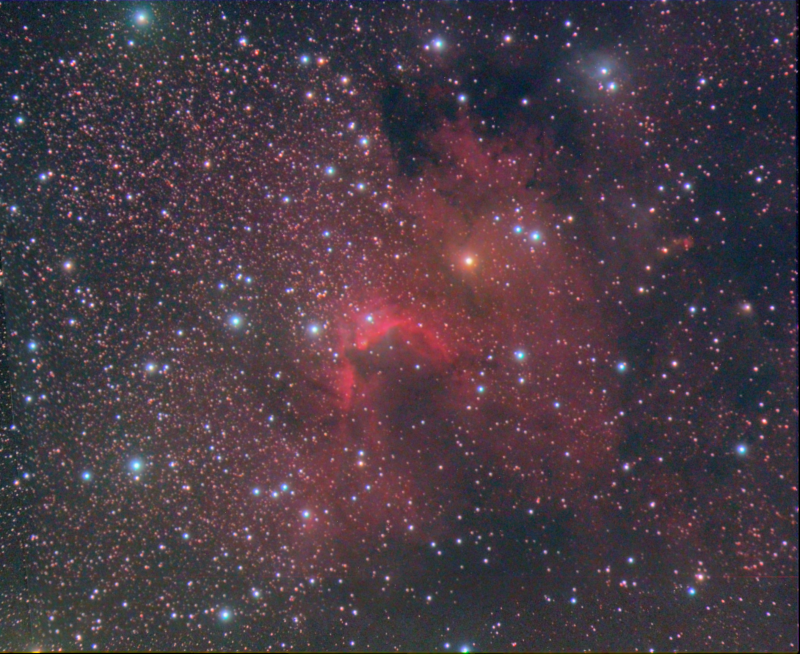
377 326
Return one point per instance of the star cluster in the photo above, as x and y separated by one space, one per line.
379 326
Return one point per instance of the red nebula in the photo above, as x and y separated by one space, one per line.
429 402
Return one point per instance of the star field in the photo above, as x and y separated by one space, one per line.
399 326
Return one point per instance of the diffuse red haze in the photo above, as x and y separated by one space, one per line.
420 401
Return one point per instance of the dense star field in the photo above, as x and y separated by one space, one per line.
377 326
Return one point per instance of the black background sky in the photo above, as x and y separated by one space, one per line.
379 326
